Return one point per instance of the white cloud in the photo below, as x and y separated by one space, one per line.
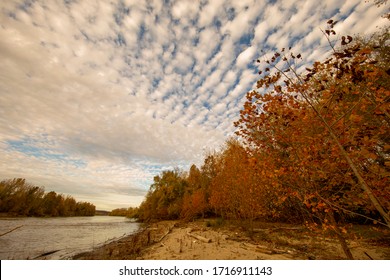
209 12
219 108
185 10
246 57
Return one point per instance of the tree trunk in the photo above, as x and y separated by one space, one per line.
340 237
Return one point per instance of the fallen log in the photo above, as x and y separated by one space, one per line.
276 229
198 237
10 230
259 249
263 249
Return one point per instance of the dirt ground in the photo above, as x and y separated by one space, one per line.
216 240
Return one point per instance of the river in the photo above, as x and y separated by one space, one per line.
68 235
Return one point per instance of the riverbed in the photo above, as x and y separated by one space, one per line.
59 238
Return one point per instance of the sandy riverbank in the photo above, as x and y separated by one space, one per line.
201 240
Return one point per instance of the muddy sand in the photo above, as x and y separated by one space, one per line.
210 240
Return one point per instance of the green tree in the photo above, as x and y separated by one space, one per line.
165 196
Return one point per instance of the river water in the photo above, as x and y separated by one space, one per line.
70 235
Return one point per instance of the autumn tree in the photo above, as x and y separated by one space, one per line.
342 104
239 189
195 196
129 212
177 194
17 197
165 197
69 206
85 209
327 129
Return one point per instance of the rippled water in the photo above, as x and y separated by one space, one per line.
69 235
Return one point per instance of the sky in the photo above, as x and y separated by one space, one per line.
98 97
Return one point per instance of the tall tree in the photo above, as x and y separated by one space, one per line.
334 132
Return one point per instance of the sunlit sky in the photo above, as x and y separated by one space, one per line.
97 97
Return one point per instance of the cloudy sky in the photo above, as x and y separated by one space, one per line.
97 97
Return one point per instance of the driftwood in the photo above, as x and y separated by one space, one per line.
198 237
10 231
162 237
368 255
46 254
263 249
275 229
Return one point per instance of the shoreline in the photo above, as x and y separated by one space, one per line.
202 240
128 247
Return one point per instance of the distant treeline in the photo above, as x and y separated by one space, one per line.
102 213
125 212
17 197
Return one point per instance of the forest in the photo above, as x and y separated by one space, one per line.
19 198
311 147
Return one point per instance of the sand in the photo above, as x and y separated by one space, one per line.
201 240
194 241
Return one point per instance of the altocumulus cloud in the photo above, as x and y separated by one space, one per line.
97 97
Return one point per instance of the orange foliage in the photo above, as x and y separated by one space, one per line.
326 131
